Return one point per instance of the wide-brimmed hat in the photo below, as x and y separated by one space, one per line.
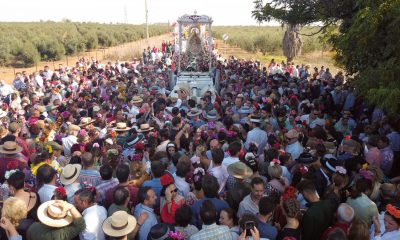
330 162
159 231
85 121
52 215
211 115
194 112
136 99
239 170
255 119
292 134
306 158
145 128
10 147
245 110
70 173
121 127
73 127
50 107
132 141
119 224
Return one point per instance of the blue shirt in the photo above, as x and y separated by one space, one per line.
150 222
267 230
218 204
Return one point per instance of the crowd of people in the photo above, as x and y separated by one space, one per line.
281 151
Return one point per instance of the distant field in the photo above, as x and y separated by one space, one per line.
264 43
266 39
25 44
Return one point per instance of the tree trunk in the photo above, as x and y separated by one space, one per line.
291 42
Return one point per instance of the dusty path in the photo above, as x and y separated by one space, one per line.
121 52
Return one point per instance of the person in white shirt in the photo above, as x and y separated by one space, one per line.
387 225
46 179
293 147
234 152
94 215
71 139
182 168
218 170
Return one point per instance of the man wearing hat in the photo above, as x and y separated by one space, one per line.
194 115
58 220
70 179
136 104
256 135
10 151
71 139
293 145
121 224
14 130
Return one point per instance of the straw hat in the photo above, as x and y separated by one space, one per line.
50 107
119 224
73 128
211 115
51 214
121 127
292 134
194 112
86 121
239 170
145 128
10 147
136 99
70 173
130 142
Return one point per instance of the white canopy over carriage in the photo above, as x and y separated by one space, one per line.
194 57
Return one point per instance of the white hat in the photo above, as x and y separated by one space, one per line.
70 173
119 224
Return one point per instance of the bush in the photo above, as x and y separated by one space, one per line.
27 56
50 49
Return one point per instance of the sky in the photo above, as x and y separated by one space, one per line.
223 12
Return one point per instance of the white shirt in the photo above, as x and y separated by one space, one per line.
384 235
67 143
46 192
221 174
163 146
295 149
134 110
182 186
229 160
94 217
71 190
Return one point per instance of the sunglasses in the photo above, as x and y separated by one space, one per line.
175 190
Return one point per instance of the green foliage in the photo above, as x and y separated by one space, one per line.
366 45
266 39
26 55
52 40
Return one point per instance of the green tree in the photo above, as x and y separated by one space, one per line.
366 44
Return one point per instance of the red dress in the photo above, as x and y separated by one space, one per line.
169 218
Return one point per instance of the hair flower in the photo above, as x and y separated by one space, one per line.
96 145
199 170
303 170
392 210
9 173
366 174
49 148
274 162
175 235
341 170
166 180
60 191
